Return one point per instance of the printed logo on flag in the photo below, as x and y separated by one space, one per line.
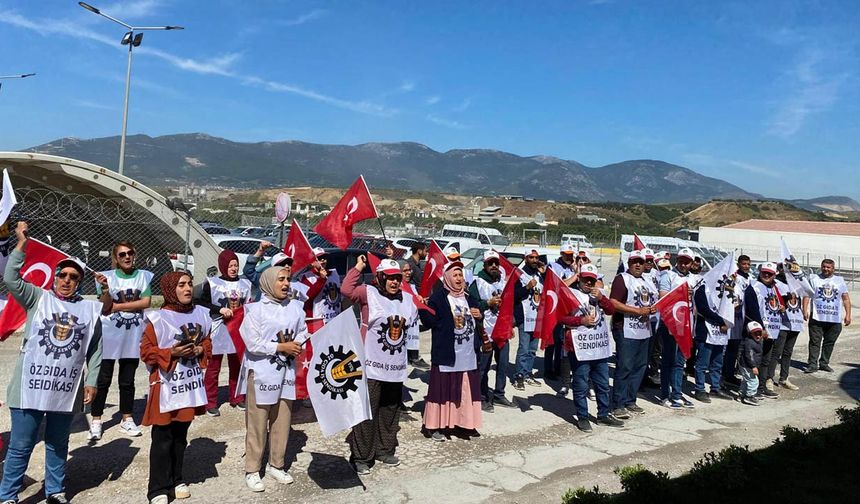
127 319
280 360
338 372
828 293
726 289
189 333
464 325
61 335
391 334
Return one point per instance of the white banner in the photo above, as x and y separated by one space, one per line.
8 200
337 384
719 285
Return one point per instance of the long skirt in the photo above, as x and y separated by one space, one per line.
453 400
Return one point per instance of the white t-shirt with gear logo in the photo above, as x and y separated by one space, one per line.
464 337
122 331
827 300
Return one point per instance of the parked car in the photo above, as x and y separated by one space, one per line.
254 231
359 242
214 229
241 245
516 258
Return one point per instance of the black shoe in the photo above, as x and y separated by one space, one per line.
719 394
519 383
420 363
825 367
57 498
610 421
702 396
241 406
362 468
810 369
563 391
750 401
769 394
487 406
584 425
633 408
621 413
504 401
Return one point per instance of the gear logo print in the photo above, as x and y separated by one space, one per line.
61 335
338 372
280 360
189 332
127 320
391 334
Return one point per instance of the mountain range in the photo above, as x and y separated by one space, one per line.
204 159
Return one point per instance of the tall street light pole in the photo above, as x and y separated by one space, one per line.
21 76
132 40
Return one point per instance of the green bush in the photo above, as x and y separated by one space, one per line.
583 496
641 482
733 467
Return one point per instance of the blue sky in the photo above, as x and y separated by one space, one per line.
763 94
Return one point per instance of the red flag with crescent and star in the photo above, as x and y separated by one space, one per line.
298 247
674 310
38 269
432 269
556 301
355 206
504 327
638 244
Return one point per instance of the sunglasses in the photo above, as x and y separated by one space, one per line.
124 254
74 277
637 261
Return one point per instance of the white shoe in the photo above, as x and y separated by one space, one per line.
254 483
280 475
182 491
129 428
159 499
787 384
95 431
769 384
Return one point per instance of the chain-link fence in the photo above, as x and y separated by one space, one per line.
86 227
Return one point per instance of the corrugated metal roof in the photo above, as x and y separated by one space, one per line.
812 227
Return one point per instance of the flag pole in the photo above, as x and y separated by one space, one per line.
375 210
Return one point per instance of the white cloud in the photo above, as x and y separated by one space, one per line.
93 105
125 11
465 104
407 86
304 18
365 107
757 169
448 123
432 100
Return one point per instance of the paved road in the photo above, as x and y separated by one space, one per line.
530 454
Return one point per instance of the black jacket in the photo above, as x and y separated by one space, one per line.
750 352
704 313
442 327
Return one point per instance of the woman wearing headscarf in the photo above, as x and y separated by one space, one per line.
62 335
225 296
273 330
454 395
385 315
121 333
176 349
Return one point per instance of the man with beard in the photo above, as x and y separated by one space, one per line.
487 288
531 277
655 346
419 254
672 360
566 267
830 310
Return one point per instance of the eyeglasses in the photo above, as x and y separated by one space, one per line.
124 254
74 277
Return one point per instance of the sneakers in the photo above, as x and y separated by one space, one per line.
487 406
361 468
438 436
129 428
769 384
671 404
621 413
158 499
504 401
562 392
702 396
519 383
687 403
788 385
182 491
280 475
584 425
57 498
750 401
419 363
719 394
241 406
769 394
532 381
610 421
95 431
825 367
213 412
255 484
389 460
634 408
810 369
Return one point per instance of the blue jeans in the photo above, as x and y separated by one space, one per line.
671 366
632 360
526 352
750 385
598 372
709 358
501 356
22 439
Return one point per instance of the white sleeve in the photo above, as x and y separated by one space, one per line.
255 342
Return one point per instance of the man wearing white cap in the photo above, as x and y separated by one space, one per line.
769 310
655 346
488 287
831 309
633 298
672 360
531 277
385 315
566 267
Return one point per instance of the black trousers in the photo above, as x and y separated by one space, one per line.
822 339
127 369
730 359
377 437
166 455
787 350
655 351
552 354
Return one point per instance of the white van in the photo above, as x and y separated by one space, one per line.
577 240
710 255
467 237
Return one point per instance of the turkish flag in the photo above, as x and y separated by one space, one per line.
298 247
504 327
405 287
436 261
303 361
39 265
556 301
355 206
638 244
674 310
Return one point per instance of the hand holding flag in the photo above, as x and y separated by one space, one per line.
503 328
436 261
556 301
674 310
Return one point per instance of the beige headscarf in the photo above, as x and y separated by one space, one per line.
268 279
448 282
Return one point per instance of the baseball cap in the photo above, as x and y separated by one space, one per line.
664 254
567 248
451 252
588 271
72 262
636 254
584 253
319 251
685 252
769 267
754 326
491 254
281 259
389 267
648 253
533 252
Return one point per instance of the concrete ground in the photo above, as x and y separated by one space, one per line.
529 454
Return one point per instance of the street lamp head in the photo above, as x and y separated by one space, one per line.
127 38
27 75
137 39
89 7
174 27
